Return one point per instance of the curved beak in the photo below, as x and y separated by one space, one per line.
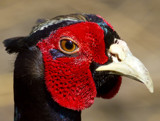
125 64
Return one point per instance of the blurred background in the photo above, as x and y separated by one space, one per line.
136 21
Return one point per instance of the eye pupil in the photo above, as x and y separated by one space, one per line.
69 45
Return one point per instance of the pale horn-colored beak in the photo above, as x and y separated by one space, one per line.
125 64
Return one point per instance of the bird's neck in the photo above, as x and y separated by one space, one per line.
37 105
32 100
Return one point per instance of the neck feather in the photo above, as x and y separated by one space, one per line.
32 100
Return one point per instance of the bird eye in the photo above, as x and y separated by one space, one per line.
68 46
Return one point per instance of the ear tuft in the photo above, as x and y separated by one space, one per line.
41 20
14 45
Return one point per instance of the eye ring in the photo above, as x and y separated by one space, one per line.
68 45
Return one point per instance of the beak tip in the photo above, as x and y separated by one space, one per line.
149 84
151 89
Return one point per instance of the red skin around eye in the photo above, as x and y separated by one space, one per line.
69 79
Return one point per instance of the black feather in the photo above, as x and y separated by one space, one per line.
15 44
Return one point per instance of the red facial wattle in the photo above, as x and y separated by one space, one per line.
69 79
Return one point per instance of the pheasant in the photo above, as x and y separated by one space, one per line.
66 62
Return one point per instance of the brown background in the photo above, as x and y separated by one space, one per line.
136 21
